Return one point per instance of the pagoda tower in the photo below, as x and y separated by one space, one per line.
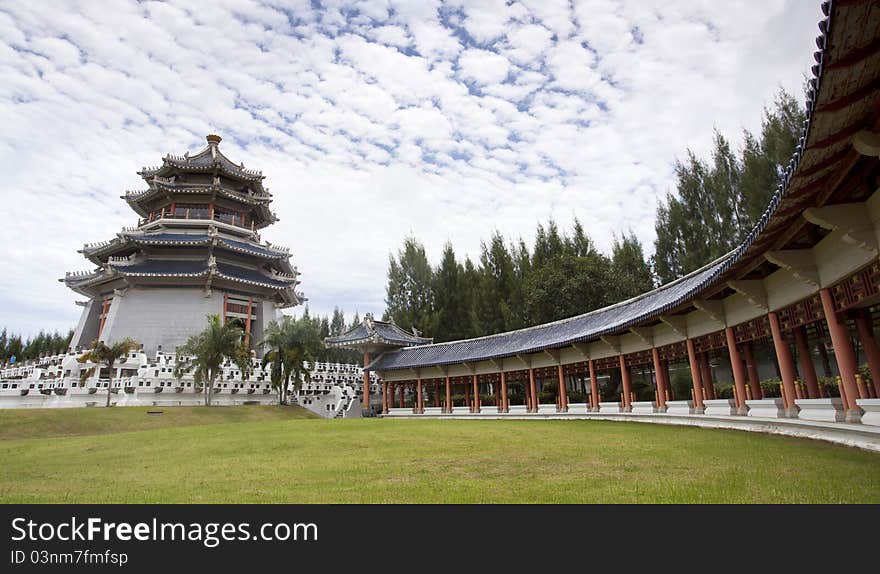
196 251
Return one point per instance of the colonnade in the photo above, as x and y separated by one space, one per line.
786 329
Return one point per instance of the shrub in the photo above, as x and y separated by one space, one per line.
865 373
829 386
724 390
772 388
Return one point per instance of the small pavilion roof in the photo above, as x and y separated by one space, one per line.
372 332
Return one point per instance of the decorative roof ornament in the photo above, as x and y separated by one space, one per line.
368 322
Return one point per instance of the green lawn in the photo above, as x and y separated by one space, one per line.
272 454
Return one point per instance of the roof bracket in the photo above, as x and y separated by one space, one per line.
799 262
582 348
714 309
850 219
677 323
553 354
646 334
612 342
867 143
753 290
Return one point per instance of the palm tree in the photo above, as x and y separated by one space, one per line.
290 344
102 354
204 353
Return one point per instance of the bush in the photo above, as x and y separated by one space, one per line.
865 373
772 388
724 390
681 383
829 386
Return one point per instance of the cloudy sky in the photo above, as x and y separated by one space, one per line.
372 120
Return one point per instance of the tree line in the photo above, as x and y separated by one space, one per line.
13 345
716 202
323 326
512 285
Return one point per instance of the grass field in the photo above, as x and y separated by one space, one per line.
275 454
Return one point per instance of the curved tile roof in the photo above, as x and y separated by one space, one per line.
160 268
252 276
621 316
260 250
380 332
557 334
169 238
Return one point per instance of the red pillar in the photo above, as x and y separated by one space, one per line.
476 395
448 396
419 405
843 352
367 381
527 391
695 375
805 359
706 376
563 393
865 326
504 406
752 370
533 393
594 386
384 398
402 391
665 370
658 375
247 323
627 386
739 371
786 363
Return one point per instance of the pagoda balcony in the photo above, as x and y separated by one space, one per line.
234 220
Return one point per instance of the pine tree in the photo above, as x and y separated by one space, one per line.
716 204
409 296
632 274
450 298
496 287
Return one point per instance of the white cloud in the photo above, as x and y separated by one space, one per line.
483 66
362 119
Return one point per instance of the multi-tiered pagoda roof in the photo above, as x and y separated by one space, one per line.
199 222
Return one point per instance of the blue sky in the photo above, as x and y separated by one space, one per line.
372 120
